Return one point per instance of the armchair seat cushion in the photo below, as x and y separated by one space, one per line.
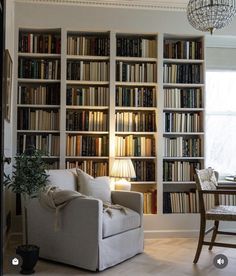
119 222
222 212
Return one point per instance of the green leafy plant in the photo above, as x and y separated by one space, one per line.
28 178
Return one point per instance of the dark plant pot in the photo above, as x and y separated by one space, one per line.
29 254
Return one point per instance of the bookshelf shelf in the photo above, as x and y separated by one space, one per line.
183 133
79 57
134 133
182 158
86 132
143 182
136 157
136 108
25 80
39 55
136 59
86 157
182 109
183 85
93 83
175 60
51 157
38 131
84 107
178 182
144 84
38 106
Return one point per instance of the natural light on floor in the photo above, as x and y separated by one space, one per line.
221 121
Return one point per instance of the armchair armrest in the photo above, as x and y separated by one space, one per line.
132 200
74 218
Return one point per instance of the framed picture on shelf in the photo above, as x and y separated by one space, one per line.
7 82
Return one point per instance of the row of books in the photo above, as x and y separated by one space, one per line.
78 145
86 120
144 169
183 49
136 47
40 94
88 70
47 143
94 168
188 202
134 146
92 96
39 69
135 121
88 45
150 201
39 43
179 170
52 164
136 97
183 98
180 202
182 73
182 147
37 119
182 122
136 72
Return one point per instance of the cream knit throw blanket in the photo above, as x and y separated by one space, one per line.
55 199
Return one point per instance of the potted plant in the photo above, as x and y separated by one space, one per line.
28 178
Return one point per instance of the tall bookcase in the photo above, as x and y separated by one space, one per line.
89 98
183 134
38 92
136 110
87 102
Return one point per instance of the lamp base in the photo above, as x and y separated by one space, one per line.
123 185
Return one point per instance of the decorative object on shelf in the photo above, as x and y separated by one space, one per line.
210 15
124 169
7 82
28 178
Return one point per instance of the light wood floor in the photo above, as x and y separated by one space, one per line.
164 257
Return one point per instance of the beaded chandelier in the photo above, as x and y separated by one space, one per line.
208 15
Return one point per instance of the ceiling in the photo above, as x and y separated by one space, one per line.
179 5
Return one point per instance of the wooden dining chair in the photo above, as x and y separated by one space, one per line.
207 183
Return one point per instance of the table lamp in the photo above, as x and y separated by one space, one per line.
123 169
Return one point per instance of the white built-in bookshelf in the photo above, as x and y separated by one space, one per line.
88 98
183 123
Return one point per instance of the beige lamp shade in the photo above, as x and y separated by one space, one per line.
123 168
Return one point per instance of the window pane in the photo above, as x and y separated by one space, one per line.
220 128
220 143
221 91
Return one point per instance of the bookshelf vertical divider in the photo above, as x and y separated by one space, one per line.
160 103
112 95
63 99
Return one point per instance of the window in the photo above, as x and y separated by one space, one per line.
221 121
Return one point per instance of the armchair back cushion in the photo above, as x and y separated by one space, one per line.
98 187
63 179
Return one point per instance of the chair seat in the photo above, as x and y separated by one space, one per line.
119 222
222 212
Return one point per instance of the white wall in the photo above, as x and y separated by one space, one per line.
9 44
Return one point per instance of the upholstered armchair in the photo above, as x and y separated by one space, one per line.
88 237
207 183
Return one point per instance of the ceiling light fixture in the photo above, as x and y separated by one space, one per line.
209 15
